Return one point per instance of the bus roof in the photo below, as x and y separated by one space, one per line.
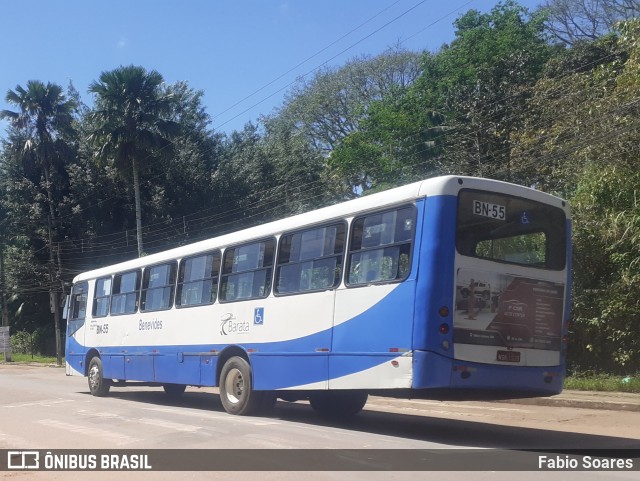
445 185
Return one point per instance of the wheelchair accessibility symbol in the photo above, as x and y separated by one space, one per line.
258 316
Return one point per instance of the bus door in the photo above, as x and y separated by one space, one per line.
75 312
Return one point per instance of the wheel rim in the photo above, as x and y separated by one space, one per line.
94 377
234 386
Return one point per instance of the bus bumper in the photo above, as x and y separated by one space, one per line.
433 371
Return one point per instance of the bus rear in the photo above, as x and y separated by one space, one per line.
496 309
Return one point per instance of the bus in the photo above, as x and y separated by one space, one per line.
448 285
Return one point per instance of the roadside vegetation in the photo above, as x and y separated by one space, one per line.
31 358
603 382
545 98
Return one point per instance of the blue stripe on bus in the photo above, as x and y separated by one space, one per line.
357 342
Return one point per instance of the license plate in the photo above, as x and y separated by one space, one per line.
493 211
508 356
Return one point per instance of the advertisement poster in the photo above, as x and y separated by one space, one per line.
503 310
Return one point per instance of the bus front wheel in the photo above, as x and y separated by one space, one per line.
236 388
338 403
98 385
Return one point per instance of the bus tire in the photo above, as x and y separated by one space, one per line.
98 385
339 404
236 388
174 391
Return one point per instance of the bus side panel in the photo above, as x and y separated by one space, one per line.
289 371
435 286
291 348
139 367
431 370
174 367
208 366
376 336
113 366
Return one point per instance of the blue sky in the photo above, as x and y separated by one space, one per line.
230 49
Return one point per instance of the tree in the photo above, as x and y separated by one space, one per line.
131 124
581 140
460 114
329 106
480 84
397 142
297 168
195 156
606 293
44 116
570 116
572 21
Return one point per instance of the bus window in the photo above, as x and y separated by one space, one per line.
158 283
78 308
246 272
518 249
510 229
126 292
310 260
101 297
198 280
380 249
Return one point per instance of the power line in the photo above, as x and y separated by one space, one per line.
331 59
292 69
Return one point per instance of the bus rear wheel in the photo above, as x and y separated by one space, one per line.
236 389
98 385
338 403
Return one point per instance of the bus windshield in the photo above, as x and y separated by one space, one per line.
509 229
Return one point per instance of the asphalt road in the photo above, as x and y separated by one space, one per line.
41 408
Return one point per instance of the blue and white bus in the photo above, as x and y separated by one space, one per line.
449 284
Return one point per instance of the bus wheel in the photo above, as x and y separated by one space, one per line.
98 385
236 391
174 391
338 403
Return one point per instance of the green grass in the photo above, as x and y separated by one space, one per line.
603 382
29 358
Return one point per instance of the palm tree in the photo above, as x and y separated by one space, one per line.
44 115
131 124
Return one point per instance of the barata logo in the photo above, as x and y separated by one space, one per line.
23 460
230 325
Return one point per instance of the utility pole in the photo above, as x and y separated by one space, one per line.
3 299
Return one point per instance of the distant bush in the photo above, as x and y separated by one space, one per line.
23 342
